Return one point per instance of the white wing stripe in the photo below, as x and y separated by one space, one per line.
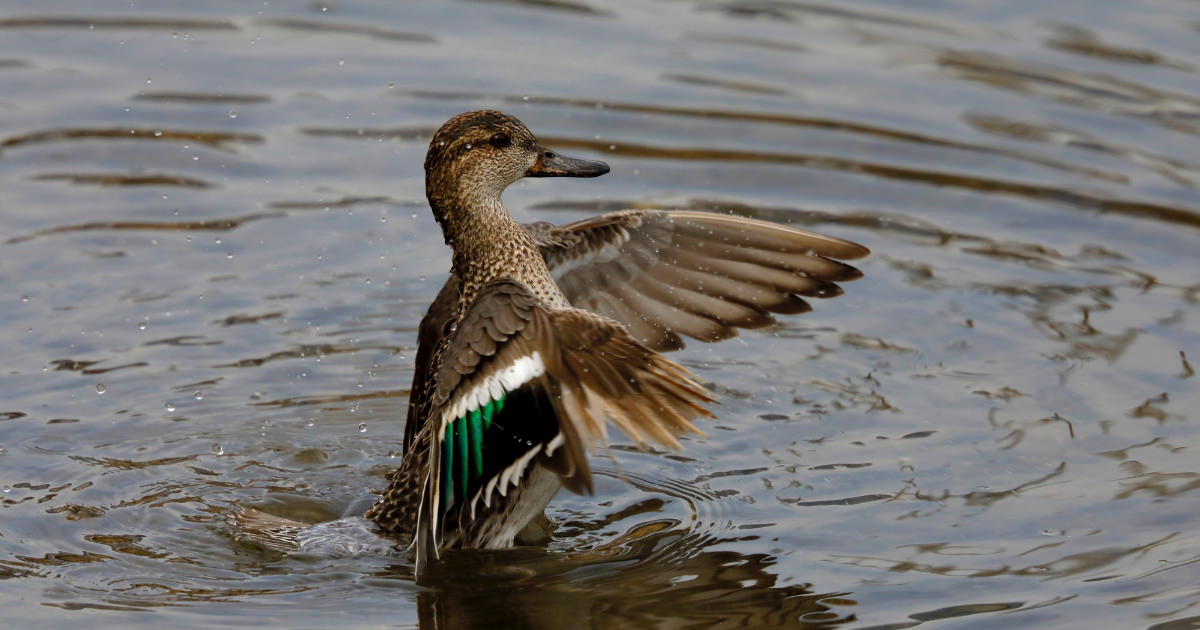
523 370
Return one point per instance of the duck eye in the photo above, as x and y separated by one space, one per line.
500 140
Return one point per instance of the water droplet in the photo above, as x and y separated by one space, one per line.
468 146
169 407
341 62
256 396
24 298
198 395
100 388
229 255
217 240
141 325
217 449
233 113
362 427
442 143
6 489
157 133
524 98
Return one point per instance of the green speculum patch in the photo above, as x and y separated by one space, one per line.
462 452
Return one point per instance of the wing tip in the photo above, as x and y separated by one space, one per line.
822 244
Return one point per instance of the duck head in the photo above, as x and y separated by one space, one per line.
476 155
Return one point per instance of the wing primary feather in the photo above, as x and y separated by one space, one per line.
726 311
763 234
666 316
654 336
717 285
692 322
795 261
744 271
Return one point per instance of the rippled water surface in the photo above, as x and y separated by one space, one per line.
214 251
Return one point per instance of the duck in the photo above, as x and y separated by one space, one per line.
545 335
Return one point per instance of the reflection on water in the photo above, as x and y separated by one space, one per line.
215 251
711 589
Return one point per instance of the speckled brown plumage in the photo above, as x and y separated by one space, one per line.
542 335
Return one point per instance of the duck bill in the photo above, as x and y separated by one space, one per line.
551 164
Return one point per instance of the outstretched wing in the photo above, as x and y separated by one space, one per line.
664 273
521 384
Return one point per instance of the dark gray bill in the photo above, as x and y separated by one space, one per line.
551 164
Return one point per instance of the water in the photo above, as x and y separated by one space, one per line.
214 249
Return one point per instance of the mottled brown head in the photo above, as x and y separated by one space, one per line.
476 155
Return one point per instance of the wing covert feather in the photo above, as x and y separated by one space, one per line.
663 273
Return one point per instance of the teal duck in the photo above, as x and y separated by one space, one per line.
543 334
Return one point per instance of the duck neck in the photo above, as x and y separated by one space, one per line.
488 244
